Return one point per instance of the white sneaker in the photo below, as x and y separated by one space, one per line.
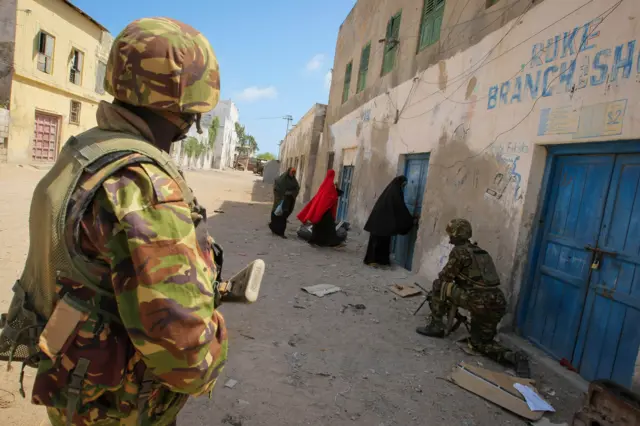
245 285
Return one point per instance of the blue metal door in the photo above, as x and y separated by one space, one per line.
345 186
609 334
416 168
584 305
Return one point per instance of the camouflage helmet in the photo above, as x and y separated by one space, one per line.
459 228
163 64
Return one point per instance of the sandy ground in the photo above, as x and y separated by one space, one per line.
297 359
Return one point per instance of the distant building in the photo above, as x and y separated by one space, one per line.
59 62
227 139
223 154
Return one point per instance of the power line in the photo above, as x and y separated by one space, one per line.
487 63
604 16
482 13
465 73
516 21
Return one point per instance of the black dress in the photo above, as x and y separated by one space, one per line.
285 189
378 250
278 224
324 233
389 217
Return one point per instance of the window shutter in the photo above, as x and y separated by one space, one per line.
80 60
49 46
389 30
365 57
42 41
395 34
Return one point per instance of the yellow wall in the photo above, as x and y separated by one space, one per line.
34 90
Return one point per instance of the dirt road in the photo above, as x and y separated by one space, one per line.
297 359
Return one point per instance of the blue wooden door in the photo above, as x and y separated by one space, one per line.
609 334
584 305
345 186
572 222
416 168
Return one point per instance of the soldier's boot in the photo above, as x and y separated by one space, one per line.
245 285
435 328
520 361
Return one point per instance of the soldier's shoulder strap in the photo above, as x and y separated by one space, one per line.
96 147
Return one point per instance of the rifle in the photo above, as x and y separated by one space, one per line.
454 320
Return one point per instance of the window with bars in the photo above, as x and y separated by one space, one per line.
392 41
74 115
364 68
491 3
75 66
101 71
347 82
46 45
432 14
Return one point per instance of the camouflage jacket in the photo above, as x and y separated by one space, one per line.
463 269
458 263
140 235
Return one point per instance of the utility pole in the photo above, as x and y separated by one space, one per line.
289 119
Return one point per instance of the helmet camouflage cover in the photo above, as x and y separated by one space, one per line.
459 228
163 64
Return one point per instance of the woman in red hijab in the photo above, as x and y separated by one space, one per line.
321 213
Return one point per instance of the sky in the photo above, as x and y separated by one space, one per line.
275 56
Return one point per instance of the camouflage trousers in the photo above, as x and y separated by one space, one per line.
486 306
58 418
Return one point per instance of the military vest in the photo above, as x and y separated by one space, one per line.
482 272
50 259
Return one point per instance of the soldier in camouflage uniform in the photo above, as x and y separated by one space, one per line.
121 276
470 281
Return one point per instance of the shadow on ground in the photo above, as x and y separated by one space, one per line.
299 359
262 192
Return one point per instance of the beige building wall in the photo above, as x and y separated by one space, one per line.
300 148
49 94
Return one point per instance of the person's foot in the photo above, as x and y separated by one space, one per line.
433 329
283 236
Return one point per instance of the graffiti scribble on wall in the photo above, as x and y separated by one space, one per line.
504 178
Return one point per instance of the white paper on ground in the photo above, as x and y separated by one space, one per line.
534 401
322 289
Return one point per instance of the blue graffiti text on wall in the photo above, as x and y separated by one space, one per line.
553 70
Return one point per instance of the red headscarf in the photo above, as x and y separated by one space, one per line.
326 198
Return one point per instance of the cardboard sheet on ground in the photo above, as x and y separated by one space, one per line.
404 290
495 387
321 289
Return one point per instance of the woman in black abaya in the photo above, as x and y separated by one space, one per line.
285 191
389 217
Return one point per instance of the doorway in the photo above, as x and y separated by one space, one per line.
584 301
415 169
45 138
345 186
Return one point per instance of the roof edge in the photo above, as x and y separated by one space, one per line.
83 13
